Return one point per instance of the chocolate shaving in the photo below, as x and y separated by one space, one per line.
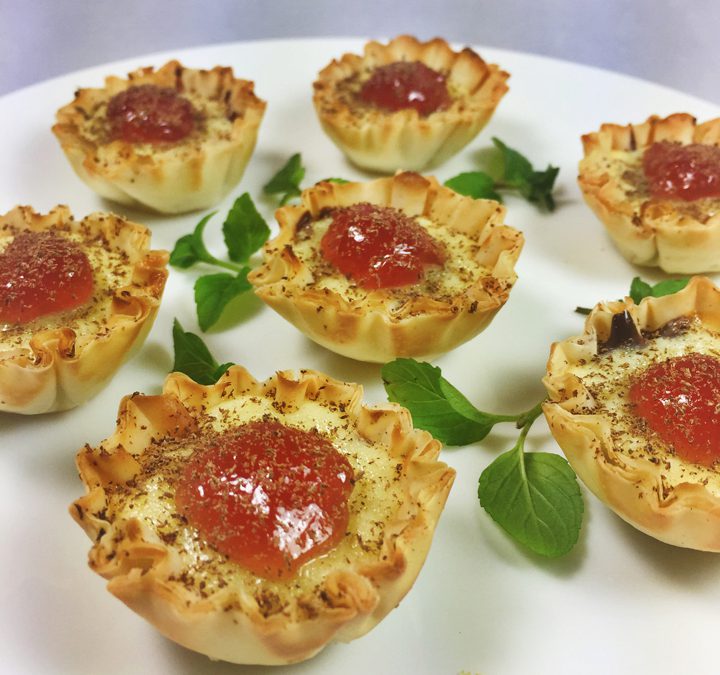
623 333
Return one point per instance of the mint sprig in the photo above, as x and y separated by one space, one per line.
640 289
518 174
244 232
475 184
286 182
190 249
534 497
514 172
244 229
214 292
435 404
193 358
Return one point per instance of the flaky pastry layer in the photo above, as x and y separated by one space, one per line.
385 141
162 568
590 416
60 361
194 173
451 306
675 235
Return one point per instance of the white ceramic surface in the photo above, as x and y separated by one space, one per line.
619 603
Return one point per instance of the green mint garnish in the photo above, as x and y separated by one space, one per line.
513 172
435 404
640 289
193 358
475 184
245 231
533 496
286 182
213 292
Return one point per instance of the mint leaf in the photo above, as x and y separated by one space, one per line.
475 184
339 181
535 498
193 358
286 182
640 289
244 229
190 248
516 169
221 370
540 188
435 405
214 291
518 173
183 254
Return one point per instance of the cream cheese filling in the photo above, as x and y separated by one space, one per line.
378 502
624 168
608 377
441 283
212 125
111 270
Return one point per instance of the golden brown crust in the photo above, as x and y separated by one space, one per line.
664 497
233 620
384 324
195 173
59 363
663 233
388 141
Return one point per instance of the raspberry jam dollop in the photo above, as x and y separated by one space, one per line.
268 496
406 84
688 172
379 246
42 273
680 400
147 113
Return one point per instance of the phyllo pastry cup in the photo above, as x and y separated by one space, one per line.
448 306
172 176
158 564
621 458
385 141
59 361
676 235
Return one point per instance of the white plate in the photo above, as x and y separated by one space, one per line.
620 602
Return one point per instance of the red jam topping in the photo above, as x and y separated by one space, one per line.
147 113
406 84
378 246
42 273
688 172
680 400
270 497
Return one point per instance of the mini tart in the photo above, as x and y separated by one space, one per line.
161 568
623 462
677 236
59 361
387 141
194 173
448 307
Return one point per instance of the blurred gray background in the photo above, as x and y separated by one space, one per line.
671 42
